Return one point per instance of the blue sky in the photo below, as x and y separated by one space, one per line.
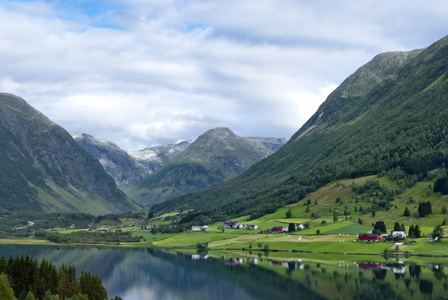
146 72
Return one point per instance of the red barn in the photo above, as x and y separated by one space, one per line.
368 237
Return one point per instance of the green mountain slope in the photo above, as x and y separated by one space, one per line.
216 156
390 114
43 169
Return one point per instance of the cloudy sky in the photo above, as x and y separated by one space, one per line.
147 72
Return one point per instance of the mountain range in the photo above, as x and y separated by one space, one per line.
390 116
43 169
129 168
216 156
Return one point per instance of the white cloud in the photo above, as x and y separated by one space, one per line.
140 73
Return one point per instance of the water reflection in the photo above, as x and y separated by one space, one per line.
151 274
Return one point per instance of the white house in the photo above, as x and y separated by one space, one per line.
204 228
252 226
195 228
401 234
285 229
299 226
239 226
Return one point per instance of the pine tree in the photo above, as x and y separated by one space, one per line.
406 212
6 291
417 232
411 233
397 226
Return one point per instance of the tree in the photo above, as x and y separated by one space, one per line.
6 291
373 213
424 209
359 221
411 231
406 212
335 216
379 225
417 232
437 233
288 214
291 227
397 227
30 296
444 210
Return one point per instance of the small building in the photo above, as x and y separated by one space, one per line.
299 226
399 234
390 238
368 237
285 229
252 226
275 229
230 224
204 228
195 228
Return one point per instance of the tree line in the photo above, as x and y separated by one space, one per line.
25 278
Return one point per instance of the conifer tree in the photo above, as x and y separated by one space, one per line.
406 212
6 291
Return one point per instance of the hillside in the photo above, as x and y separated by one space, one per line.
389 116
43 169
216 156
128 168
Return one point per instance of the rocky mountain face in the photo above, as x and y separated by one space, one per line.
391 115
43 169
216 156
271 143
128 168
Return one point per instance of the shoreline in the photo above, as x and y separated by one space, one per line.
389 253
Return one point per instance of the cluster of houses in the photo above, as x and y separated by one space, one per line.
237 225
297 226
232 224
376 237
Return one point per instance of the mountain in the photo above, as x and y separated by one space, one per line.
128 168
43 169
216 156
390 116
271 143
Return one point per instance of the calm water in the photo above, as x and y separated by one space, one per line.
150 274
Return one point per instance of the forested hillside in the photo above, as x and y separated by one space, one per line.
390 115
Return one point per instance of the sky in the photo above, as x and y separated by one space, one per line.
141 73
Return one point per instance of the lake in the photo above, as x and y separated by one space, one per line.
153 274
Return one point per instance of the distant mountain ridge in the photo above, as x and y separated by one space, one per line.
390 115
216 156
43 169
128 168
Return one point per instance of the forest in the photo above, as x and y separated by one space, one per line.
24 278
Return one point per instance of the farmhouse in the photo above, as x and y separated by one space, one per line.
400 234
368 237
275 229
195 228
299 226
230 224
252 226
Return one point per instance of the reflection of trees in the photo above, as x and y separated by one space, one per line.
426 286
415 271
407 282
380 274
